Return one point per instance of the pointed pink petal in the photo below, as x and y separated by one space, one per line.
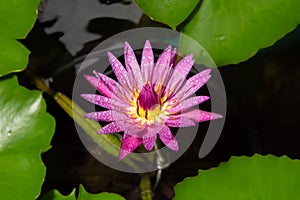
109 81
132 66
119 71
129 144
162 67
118 92
104 101
106 116
185 65
188 103
179 74
168 139
149 142
110 128
180 122
147 62
192 85
206 72
99 85
201 115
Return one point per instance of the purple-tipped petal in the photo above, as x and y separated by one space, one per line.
101 116
111 83
188 103
118 92
179 73
162 67
149 142
98 100
104 101
106 116
110 128
201 115
168 139
180 122
129 144
147 62
192 85
206 72
99 85
119 71
132 66
185 65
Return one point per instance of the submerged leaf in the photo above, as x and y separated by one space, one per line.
95 19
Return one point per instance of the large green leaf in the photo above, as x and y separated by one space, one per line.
234 30
25 132
231 31
171 12
83 195
251 178
16 18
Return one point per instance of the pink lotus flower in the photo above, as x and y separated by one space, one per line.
149 98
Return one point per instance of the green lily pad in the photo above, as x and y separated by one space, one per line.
55 195
16 18
13 56
251 178
231 31
234 30
25 132
171 12
83 195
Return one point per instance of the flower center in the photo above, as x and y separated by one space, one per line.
148 103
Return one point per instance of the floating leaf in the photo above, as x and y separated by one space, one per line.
233 31
16 19
83 195
13 56
25 132
257 177
55 195
171 12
